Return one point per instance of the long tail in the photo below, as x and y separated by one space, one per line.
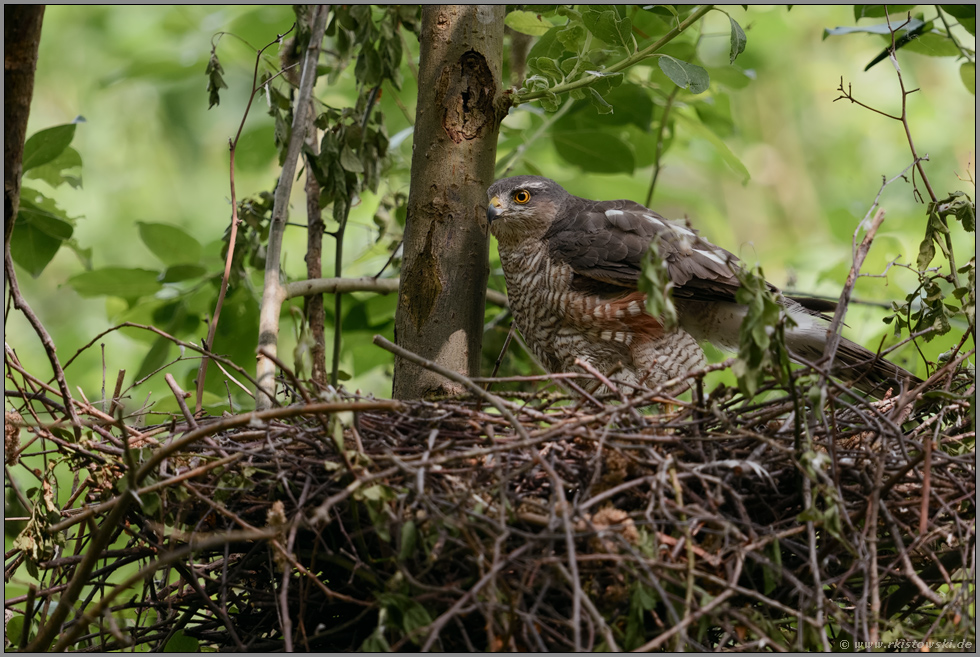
869 372
853 364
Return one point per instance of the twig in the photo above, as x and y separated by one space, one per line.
180 395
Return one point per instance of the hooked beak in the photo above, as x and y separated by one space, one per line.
494 209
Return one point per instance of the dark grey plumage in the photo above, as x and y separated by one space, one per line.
572 267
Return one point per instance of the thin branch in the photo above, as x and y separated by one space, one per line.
272 294
365 284
20 303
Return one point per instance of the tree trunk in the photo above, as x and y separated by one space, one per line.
444 274
21 36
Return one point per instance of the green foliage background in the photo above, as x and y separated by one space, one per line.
154 153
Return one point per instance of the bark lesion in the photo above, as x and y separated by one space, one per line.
426 276
468 99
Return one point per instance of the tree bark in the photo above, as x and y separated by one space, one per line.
444 273
21 36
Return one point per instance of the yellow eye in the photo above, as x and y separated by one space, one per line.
522 196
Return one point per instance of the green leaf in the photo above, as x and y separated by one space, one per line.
968 73
632 103
180 642
349 161
117 282
933 44
684 74
527 22
699 130
155 358
965 14
37 235
597 151
547 67
571 36
656 283
761 343
375 643
176 273
51 221
738 41
56 172
549 45
32 248
169 243
731 76
599 102
609 27
215 80
44 146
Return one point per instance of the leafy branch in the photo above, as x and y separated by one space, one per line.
591 78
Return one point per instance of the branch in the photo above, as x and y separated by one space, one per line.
365 284
42 333
635 58
273 292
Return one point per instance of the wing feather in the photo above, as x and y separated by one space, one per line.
605 241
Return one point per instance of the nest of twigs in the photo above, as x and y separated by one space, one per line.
717 524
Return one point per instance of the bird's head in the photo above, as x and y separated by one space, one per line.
523 207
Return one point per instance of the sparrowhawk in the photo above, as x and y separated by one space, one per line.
572 265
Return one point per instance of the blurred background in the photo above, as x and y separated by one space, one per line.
153 152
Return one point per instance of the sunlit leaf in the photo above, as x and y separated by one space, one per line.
65 168
968 73
116 281
169 243
527 22
45 145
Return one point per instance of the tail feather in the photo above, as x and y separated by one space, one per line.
869 372
856 366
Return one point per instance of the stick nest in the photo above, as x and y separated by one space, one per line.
359 523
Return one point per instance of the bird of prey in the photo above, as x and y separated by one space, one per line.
572 265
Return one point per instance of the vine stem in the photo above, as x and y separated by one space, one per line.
232 146
626 62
